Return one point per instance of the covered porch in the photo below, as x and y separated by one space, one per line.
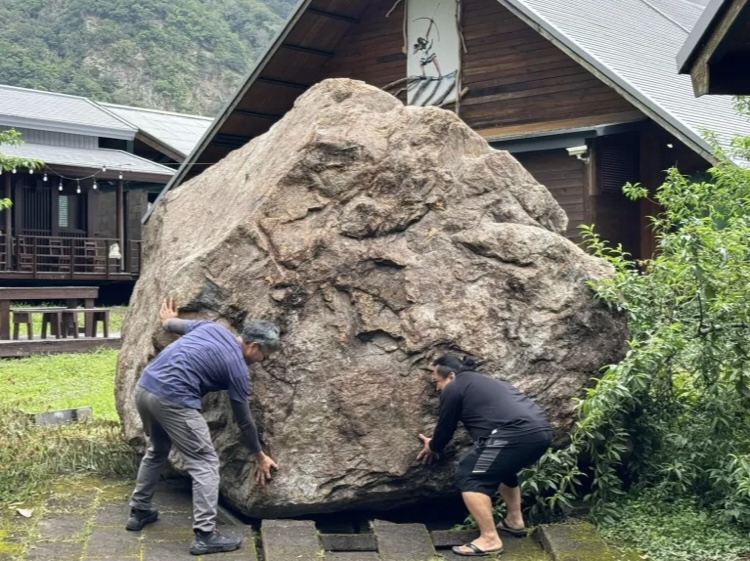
78 218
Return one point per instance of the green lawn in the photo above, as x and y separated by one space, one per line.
62 381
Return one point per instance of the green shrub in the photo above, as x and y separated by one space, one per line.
671 419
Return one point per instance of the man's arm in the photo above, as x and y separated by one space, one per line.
450 414
246 422
175 325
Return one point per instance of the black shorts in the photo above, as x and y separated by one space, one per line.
498 459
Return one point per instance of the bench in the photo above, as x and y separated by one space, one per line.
69 320
23 316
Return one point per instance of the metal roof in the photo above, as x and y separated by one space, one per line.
179 131
34 109
632 46
115 161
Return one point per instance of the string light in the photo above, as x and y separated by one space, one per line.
59 187
14 170
78 187
31 171
104 169
45 177
119 176
95 185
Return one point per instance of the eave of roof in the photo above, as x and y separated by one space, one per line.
111 126
116 161
710 16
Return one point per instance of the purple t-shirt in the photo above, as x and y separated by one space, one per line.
207 358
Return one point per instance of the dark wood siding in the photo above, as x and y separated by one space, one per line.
617 162
514 75
373 50
565 177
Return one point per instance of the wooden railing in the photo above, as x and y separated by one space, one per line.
68 257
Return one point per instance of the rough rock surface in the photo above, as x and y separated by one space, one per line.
377 236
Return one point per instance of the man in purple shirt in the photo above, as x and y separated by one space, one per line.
207 358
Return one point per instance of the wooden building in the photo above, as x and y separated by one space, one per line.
586 98
78 218
717 51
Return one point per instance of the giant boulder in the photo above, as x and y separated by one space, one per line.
377 236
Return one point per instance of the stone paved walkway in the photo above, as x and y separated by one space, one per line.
86 522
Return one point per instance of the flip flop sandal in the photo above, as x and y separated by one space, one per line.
475 551
515 532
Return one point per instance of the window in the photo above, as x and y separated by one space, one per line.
62 214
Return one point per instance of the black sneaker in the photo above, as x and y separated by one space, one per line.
139 518
212 542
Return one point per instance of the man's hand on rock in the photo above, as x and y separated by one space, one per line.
168 310
427 456
263 465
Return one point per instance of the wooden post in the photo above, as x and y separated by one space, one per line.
8 227
120 203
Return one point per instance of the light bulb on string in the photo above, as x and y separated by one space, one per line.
31 171
104 169
14 170
59 187
78 187
119 176
95 185
45 177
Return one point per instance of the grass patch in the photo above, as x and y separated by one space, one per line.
49 382
679 531
34 457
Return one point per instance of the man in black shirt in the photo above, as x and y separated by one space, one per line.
510 432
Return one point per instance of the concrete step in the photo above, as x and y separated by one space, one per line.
290 540
403 542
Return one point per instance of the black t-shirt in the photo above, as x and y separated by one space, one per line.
484 404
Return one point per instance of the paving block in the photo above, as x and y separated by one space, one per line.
403 542
174 495
173 550
54 551
112 515
170 524
289 540
449 538
352 556
66 502
349 542
110 559
63 416
62 527
104 542
574 542
515 549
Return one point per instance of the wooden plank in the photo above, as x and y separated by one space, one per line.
22 348
48 292
497 133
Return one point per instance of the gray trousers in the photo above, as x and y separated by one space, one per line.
168 424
